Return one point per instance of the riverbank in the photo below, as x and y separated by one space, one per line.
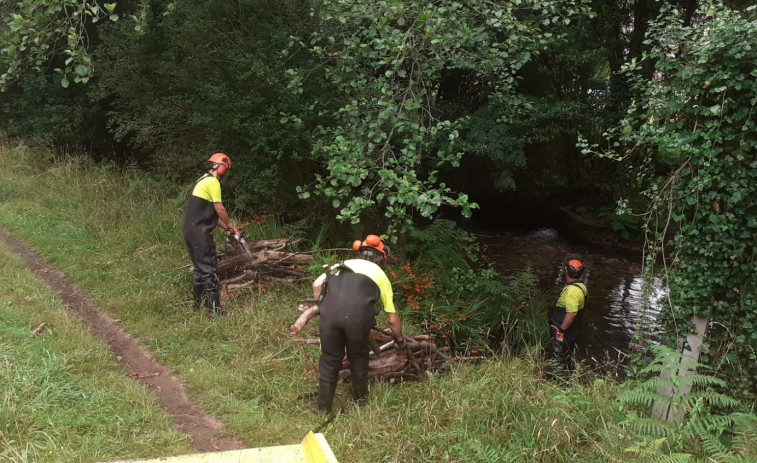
117 238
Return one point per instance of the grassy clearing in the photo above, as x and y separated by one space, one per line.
63 397
118 237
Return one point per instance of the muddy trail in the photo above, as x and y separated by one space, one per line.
205 432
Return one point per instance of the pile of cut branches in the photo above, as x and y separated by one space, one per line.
386 360
261 262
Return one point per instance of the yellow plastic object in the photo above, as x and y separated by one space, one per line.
315 449
312 449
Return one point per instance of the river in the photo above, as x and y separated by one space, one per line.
619 306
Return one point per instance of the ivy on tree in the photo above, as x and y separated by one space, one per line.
692 137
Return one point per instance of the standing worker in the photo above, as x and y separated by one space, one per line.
204 212
350 295
565 317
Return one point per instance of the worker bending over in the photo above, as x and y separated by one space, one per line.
350 295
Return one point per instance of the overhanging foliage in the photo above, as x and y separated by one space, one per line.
692 138
389 59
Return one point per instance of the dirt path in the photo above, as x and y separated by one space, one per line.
204 431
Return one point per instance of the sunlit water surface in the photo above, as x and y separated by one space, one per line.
620 304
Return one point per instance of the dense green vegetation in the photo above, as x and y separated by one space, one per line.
343 117
693 148
373 108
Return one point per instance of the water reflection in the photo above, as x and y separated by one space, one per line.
620 304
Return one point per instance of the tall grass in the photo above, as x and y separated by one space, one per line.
118 237
62 395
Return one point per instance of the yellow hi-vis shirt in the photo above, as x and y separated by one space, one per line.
573 297
374 272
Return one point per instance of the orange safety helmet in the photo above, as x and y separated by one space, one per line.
372 244
221 162
574 268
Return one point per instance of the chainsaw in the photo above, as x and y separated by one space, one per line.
238 242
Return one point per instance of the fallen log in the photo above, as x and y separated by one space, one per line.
411 363
599 223
300 323
244 265
280 256
274 244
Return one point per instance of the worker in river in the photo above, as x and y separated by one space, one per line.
350 295
566 315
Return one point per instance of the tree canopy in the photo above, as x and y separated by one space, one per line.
392 63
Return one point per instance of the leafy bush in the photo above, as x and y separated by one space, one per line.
692 141
455 294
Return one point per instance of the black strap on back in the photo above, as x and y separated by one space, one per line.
331 272
192 188
581 288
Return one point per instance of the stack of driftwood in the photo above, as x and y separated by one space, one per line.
386 361
261 262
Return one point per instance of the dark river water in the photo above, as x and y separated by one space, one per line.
619 306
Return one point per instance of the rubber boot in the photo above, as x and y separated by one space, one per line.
360 389
197 295
211 299
560 362
554 355
214 304
326 391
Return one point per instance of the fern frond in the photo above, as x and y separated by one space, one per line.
657 382
700 380
653 450
638 397
673 458
744 435
650 427
646 447
712 445
710 398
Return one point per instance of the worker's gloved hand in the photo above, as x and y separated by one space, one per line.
407 346
234 231
560 337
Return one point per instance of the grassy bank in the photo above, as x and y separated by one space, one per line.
63 396
117 236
